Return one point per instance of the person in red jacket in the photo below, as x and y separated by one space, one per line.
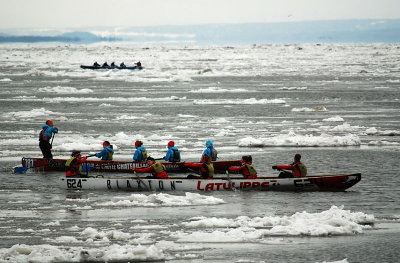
155 168
297 167
247 169
74 165
205 165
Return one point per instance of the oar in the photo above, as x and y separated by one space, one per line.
194 171
230 181
140 180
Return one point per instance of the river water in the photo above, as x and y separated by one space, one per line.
337 105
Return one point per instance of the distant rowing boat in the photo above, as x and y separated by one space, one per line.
47 165
338 182
100 67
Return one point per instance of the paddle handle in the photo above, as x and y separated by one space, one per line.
52 139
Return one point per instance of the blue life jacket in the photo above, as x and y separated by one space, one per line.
106 154
138 156
46 132
173 155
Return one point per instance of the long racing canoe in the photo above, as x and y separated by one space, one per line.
338 182
47 165
109 67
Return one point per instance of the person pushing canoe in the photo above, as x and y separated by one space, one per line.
45 137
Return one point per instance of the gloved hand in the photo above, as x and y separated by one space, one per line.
274 167
134 168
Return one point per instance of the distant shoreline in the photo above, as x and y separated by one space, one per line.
333 31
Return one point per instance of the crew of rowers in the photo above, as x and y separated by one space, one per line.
122 65
210 154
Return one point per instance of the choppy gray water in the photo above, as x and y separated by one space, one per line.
337 105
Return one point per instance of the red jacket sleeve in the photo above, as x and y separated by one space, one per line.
286 167
144 170
237 168
194 165
82 160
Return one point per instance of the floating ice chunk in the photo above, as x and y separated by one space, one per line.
382 143
65 90
374 131
91 233
339 261
49 253
371 131
345 127
239 101
334 119
161 199
217 90
293 88
29 114
308 140
335 221
318 108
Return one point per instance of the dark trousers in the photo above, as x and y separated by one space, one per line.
45 147
286 174
78 176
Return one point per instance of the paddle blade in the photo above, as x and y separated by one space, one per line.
20 169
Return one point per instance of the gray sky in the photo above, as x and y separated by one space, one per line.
83 13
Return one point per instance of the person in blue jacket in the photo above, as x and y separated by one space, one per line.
45 137
210 150
140 154
107 153
173 154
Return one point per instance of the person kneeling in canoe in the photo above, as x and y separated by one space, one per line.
205 165
247 169
107 153
297 167
173 153
210 150
74 165
155 168
140 154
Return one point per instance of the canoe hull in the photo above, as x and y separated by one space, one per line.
339 182
48 165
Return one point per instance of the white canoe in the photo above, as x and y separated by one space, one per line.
339 182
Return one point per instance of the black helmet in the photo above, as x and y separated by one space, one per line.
74 153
